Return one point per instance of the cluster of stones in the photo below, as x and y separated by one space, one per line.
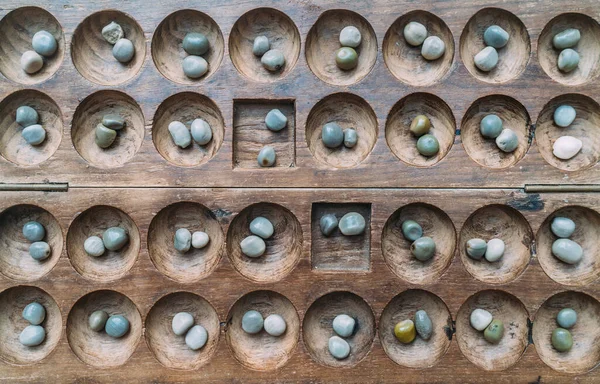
351 224
568 59
44 45
333 136
199 131
346 57
184 240
113 239
34 334
275 121
494 38
254 246
492 251
253 323
422 247
344 326
565 147
492 127
406 331
28 118
123 49
272 60
427 144
195 44
563 248
561 338
114 325
493 329
35 233
196 335
106 131
432 47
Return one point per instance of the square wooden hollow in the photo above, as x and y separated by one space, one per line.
250 134
338 252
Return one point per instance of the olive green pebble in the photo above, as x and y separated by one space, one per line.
352 224
566 39
346 58
26 116
415 33
567 251
562 340
40 250
350 37
31 62
411 230
112 32
116 326
494 332
113 121
486 59
261 226
44 43
261 45
433 48
123 50
253 246
476 248
266 157
195 43
350 137
97 320
507 140
566 318
32 335
423 325
34 231
562 227
428 145
115 238
183 240
275 120
490 126
328 224
332 135
273 60
201 132
564 115
34 134
495 36
34 313
180 134
94 246
194 67
423 248
105 136
568 60
420 125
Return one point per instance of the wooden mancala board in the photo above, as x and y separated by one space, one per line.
148 186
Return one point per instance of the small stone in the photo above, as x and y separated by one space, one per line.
420 125
262 227
273 60
123 50
267 156
195 43
433 48
476 248
194 67
562 227
32 335
344 325
183 240
507 141
116 326
34 231
346 58
423 248
180 134
495 36
566 39
480 319
253 246
332 135
415 33
490 126
201 132
35 313
252 322
338 347
40 250
486 59
97 320
26 116
411 230
350 37
564 115
181 323
350 137
494 250
428 145
112 32
405 331
494 332
44 43
200 239
105 136
352 223
34 134
196 337
94 246
261 45
115 238
423 325
562 340
113 121
566 147
275 120
566 318
328 224
567 251
568 60
31 62
275 325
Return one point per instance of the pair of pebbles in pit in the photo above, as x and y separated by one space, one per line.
275 121
123 49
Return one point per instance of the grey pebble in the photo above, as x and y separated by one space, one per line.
31 62
34 231
490 126
415 33
201 132
104 137
113 121
195 43
123 50
423 325
40 250
564 115
507 141
476 248
433 48
495 36
328 224
180 134
566 318
411 230
112 32
196 337
32 335
494 250
344 325
262 227
350 137
116 326
266 157
567 251
332 135
428 145
275 325
115 238
562 227
183 240
26 116
338 347
182 322
94 246
44 43
34 134
253 246
97 320
275 120
200 239
423 248
194 67
35 313
568 60
486 59
350 37
252 322
566 39
273 60
261 45
352 223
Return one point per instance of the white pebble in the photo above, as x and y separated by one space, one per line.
275 325
200 239
480 319
181 323
566 147
494 250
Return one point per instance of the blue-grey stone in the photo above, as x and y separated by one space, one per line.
423 325
267 156
262 227
486 59
34 231
507 141
566 39
411 230
415 33
352 223
273 60
253 246
567 251
428 145
275 120
44 43
338 347
562 227
196 337
350 36
195 43
344 325
116 326
566 318
568 60
182 322
34 134
423 248
112 32
495 36
35 313
123 50
94 246
26 116
40 250
252 322
180 134
564 115
115 238
194 67
32 335
328 224
490 126
261 45
433 48
476 248
113 121
350 137
183 240
332 135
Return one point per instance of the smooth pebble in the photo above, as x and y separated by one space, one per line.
123 50
428 145
495 36
567 251
420 125
494 332
112 32
104 137
338 347
480 319
568 60
26 116
196 337
34 134
346 58
328 224
35 313
562 227
32 335
275 325
275 120
194 67
350 137
97 320
31 62
200 239
113 121
252 322
180 134
261 45
183 240
411 230
566 318
352 223
273 60
34 231
423 248
344 325
332 135
490 126
44 43
507 140
566 147
182 322
195 43
415 33
253 246
566 39
476 248
201 132
262 227
561 340
564 115
115 238
423 325
350 37
116 326
94 246
494 250
433 48
40 250
486 59
267 156
405 331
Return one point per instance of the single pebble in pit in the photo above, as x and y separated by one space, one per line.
253 246
97 320
338 347
275 120
562 227
194 67
405 331
480 319
423 249
567 251
26 116
200 239
507 140
181 323
180 134
44 43
328 224
433 48
261 45
332 135
562 340
476 248
566 318
262 227
495 36
494 332
344 325
104 137
40 250
196 337
32 335
252 322
566 39
34 231
346 58
490 126
423 325
273 60
183 240
411 230
494 250
113 121
123 50
195 43
566 147
564 115
112 33
35 313
266 157
352 223
486 59
350 137
428 145
568 60
201 132
94 246
275 325
415 33
115 238
116 326
420 125
34 134
350 37
31 62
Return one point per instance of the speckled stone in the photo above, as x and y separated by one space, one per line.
423 249
352 223
94 246
196 337
344 325
267 156
562 227
35 313
44 43
480 319
180 134
275 325
115 238
112 32
562 340
275 120
350 37
116 326
428 145
415 33
201 132
567 251
252 322
476 248
346 58
182 240
486 59
507 141
182 322
566 318
494 332
490 126
566 39
253 246
194 67
495 36
123 51
104 137
32 335
34 231
405 331
34 134
564 115
40 250
261 45
328 224
332 135
433 48
350 137
566 147
31 62
420 125
568 60
262 227
113 121
338 347
195 43
494 250
273 60
200 239
411 230
423 325
26 116
97 320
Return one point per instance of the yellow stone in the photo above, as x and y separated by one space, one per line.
420 125
405 331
